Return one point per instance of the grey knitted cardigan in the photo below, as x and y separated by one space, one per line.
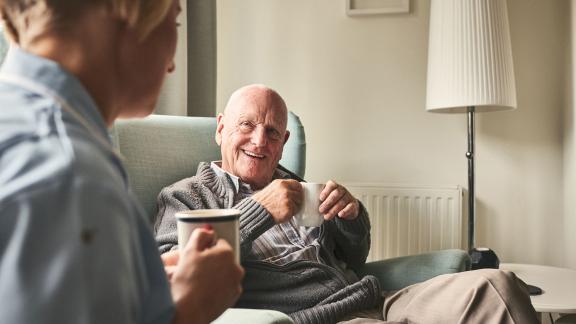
309 292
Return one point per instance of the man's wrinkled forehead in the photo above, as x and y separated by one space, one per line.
260 104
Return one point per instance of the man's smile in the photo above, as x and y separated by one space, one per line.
253 154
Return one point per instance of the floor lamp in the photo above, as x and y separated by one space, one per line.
470 70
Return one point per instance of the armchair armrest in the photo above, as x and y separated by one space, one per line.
252 316
397 273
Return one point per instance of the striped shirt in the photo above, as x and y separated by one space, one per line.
282 243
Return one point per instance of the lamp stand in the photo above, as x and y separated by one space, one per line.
471 190
481 257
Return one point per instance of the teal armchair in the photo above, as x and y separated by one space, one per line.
160 150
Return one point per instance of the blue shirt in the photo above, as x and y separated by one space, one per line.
75 247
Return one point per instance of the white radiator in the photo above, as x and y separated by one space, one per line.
410 220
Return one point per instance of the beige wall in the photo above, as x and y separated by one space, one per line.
173 97
570 148
359 86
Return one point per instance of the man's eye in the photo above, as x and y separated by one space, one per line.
245 126
274 135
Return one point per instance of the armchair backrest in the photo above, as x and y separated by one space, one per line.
160 150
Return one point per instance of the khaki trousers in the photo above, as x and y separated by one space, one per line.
483 296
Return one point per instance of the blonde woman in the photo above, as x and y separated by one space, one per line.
75 246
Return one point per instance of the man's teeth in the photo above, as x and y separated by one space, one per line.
252 154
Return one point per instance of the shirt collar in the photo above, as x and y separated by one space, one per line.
216 166
53 76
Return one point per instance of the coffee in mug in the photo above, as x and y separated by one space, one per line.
224 222
309 215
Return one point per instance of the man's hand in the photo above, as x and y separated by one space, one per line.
282 198
204 277
336 200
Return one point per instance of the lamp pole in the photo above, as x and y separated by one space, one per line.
480 257
471 190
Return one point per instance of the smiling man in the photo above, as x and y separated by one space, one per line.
307 272
288 268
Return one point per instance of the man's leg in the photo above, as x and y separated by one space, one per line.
481 296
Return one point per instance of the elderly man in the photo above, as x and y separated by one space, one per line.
308 272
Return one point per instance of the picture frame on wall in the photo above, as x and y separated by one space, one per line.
376 7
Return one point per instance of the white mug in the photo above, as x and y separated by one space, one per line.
224 222
309 215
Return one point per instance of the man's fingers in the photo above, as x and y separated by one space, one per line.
201 239
336 208
293 184
335 196
297 196
348 212
337 200
328 188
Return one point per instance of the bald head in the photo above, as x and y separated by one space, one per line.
251 133
257 95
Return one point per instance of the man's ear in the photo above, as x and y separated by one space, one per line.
219 127
286 136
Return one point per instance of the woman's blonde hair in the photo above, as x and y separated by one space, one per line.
143 15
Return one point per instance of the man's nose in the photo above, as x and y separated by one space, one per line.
259 136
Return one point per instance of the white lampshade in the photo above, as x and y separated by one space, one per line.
469 57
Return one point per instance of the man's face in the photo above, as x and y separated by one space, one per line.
251 136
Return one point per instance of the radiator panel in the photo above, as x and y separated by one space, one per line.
409 220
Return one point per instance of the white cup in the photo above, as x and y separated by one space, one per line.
309 215
224 222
